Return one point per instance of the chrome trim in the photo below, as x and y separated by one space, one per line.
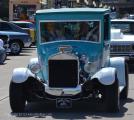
63 56
65 48
122 48
73 99
63 91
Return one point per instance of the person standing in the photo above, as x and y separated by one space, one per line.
2 52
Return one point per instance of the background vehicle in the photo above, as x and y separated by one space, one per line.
28 26
17 41
8 26
131 16
126 25
73 63
18 37
122 43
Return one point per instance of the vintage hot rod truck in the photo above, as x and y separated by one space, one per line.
73 62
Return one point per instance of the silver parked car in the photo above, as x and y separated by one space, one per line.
122 45
122 35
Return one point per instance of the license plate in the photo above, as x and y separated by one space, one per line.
63 103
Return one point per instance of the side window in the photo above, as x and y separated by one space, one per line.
5 27
106 27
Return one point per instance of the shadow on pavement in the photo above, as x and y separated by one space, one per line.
123 102
42 110
27 50
21 54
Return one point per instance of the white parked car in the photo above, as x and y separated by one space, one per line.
121 44
126 25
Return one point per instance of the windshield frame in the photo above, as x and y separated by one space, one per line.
100 30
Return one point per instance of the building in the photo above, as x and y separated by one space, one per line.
69 3
4 9
24 9
61 3
122 6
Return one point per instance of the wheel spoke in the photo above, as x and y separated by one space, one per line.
15 48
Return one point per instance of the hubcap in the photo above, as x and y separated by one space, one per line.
15 47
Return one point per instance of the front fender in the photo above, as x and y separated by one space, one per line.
119 64
105 76
20 75
33 61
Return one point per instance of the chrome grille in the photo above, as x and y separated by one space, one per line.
63 73
121 48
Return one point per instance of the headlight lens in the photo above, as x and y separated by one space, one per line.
35 68
90 67
84 58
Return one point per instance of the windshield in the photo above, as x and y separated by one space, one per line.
78 30
126 28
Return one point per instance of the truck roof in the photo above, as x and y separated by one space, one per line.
63 10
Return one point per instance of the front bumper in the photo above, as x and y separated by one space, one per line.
41 91
63 91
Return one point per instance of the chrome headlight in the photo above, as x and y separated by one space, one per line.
84 58
35 68
90 67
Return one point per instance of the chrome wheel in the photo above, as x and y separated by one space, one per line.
15 48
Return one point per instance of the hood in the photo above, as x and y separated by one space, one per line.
91 51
